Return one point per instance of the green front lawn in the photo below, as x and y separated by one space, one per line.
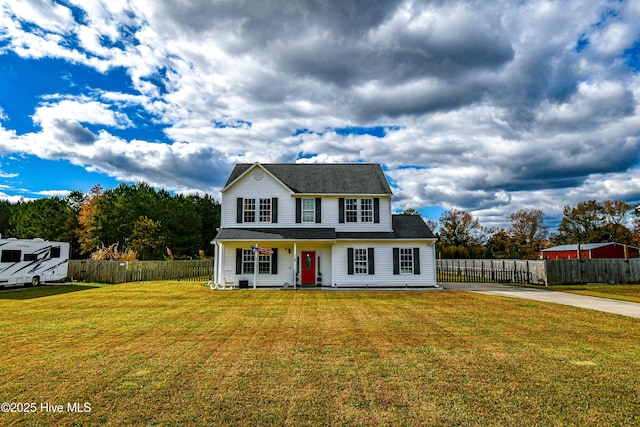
170 353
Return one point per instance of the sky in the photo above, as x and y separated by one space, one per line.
488 107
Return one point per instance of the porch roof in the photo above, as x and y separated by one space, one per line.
276 234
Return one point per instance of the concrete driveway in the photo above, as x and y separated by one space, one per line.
624 308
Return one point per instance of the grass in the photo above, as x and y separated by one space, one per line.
170 353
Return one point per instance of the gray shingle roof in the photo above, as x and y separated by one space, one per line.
404 227
308 178
276 234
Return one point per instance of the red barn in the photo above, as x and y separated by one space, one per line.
590 251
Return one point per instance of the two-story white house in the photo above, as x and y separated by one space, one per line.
327 225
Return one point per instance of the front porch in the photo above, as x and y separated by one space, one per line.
293 264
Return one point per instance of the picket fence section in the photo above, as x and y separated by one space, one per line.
137 271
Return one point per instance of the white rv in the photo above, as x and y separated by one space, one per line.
32 261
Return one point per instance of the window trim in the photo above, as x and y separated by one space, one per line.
368 212
265 210
406 261
351 210
249 210
311 212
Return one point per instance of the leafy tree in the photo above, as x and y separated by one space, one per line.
88 229
209 211
500 245
47 218
6 209
528 232
460 235
581 224
636 226
459 228
614 218
146 239
591 222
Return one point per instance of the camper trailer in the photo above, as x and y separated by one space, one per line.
32 261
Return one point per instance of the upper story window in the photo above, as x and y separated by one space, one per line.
308 210
249 210
366 210
351 210
359 210
264 210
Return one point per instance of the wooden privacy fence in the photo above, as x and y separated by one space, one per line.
539 272
593 271
487 270
136 271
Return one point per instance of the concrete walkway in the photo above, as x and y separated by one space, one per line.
624 308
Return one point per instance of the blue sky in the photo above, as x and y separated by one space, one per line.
466 105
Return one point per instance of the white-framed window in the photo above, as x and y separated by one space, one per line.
308 210
351 210
366 210
265 210
247 261
249 210
406 261
264 264
360 261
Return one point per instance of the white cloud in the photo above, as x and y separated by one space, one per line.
492 102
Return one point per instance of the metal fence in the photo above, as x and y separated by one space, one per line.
136 271
486 270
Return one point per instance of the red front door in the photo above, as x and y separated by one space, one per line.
308 267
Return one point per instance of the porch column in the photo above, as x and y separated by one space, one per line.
220 263
295 264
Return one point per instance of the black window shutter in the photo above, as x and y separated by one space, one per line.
298 211
349 260
341 210
239 210
274 210
416 260
274 261
238 261
318 210
371 260
376 210
396 260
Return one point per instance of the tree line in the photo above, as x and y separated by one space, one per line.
462 236
131 221
136 221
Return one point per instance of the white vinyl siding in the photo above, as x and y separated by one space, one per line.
384 276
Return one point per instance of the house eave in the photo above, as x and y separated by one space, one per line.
248 171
